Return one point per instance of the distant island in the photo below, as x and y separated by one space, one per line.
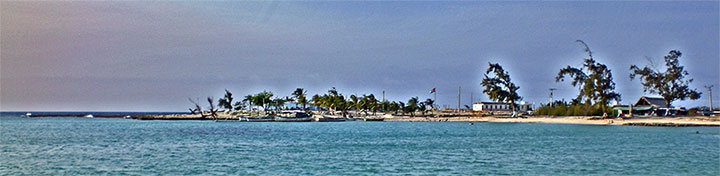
591 106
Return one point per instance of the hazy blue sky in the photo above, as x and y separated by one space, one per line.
152 56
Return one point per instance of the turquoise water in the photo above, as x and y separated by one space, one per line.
79 146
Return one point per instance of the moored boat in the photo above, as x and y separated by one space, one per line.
373 119
293 116
326 118
258 119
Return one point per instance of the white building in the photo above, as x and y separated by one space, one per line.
498 106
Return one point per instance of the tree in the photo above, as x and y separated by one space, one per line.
355 101
594 80
239 106
430 102
198 108
422 107
226 102
213 110
385 106
249 99
300 97
671 84
278 103
317 101
394 107
412 105
499 87
373 103
262 99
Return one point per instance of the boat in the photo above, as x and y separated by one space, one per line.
27 115
236 119
326 118
258 119
373 119
89 116
293 116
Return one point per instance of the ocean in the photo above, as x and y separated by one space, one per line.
115 146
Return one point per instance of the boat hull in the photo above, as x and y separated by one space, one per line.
293 119
373 119
258 119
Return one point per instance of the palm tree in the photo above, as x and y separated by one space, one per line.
373 103
249 100
422 107
262 99
238 106
430 102
226 102
385 106
355 102
364 104
317 101
344 105
277 103
299 95
412 105
394 107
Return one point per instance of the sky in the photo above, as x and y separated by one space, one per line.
153 56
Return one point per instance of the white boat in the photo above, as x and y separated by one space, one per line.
90 116
327 118
293 116
236 119
258 119
27 115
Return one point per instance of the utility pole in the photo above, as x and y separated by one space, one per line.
458 109
710 92
383 96
551 96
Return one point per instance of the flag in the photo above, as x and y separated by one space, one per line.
432 91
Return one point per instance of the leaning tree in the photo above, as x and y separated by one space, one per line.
594 80
498 86
671 84
226 102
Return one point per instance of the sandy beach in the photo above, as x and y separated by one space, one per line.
585 120
637 121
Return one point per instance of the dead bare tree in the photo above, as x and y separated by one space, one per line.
198 108
213 109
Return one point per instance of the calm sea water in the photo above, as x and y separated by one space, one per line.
42 146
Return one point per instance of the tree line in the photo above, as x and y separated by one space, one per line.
594 80
596 86
333 101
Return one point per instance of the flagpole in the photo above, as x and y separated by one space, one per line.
458 99
435 97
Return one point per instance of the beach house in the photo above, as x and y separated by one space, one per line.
649 106
499 106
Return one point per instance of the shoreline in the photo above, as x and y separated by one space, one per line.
681 121
578 120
